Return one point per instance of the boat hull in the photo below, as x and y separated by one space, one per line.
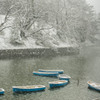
51 71
46 74
90 86
60 78
2 92
58 85
28 90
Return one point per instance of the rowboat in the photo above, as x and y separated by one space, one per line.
30 88
58 83
46 74
93 85
2 91
64 77
52 71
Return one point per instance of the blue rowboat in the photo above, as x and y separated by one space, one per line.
2 91
52 71
93 85
45 74
64 77
30 88
59 83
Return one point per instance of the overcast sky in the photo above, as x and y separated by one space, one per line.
96 4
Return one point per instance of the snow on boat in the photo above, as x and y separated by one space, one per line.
64 77
30 88
93 85
52 71
2 91
46 74
58 83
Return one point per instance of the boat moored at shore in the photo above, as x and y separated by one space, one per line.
49 74
58 83
2 91
94 85
30 88
52 71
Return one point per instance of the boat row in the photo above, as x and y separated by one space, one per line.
53 84
35 88
52 73
55 74
59 83
63 80
61 76
49 73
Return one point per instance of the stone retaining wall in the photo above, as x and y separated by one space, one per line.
38 52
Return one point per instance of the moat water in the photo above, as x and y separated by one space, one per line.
82 67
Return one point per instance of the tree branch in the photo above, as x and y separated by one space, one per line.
5 28
6 16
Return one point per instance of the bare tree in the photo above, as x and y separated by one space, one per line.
69 18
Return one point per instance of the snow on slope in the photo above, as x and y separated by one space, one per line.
29 42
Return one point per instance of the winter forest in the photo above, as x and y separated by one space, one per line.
47 23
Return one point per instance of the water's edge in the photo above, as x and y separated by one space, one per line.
5 53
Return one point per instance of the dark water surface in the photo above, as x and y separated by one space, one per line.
81 68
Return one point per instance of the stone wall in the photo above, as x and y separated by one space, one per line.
38 52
